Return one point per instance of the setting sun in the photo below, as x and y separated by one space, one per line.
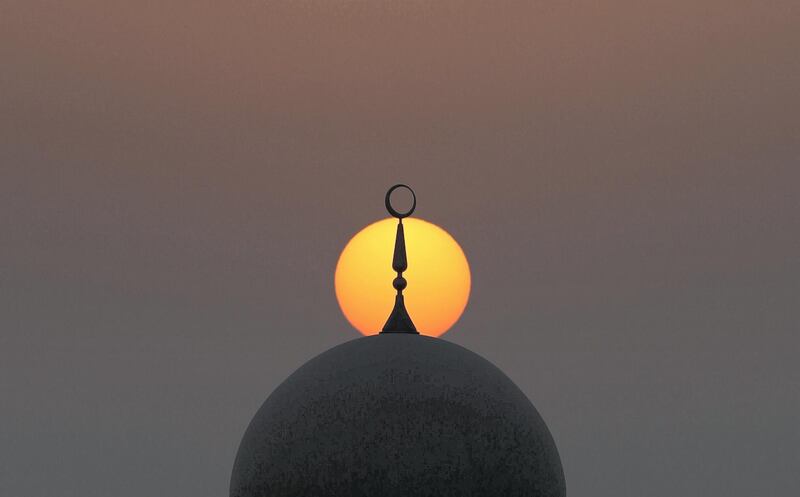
438 277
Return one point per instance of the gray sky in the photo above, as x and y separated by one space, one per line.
177 180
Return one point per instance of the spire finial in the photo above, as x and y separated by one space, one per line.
399 321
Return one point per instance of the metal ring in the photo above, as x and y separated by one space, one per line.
392 211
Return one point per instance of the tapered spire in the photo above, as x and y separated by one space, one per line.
399 321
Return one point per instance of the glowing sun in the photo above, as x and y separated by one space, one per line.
438 277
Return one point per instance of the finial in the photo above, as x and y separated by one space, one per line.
399 321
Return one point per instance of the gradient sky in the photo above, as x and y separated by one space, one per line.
177 180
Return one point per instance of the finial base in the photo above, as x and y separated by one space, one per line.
399 321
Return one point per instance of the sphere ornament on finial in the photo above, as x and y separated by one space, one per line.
399 321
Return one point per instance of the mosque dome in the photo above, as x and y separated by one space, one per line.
397 415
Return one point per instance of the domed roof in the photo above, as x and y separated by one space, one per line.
397 415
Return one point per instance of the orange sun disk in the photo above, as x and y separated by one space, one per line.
438 277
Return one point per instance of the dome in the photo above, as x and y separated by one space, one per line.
397 415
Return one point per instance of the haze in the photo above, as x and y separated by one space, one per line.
177 180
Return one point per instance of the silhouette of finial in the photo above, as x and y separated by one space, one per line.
399 321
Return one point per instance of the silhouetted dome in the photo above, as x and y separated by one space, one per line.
397 415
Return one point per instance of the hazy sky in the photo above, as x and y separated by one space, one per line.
177 180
